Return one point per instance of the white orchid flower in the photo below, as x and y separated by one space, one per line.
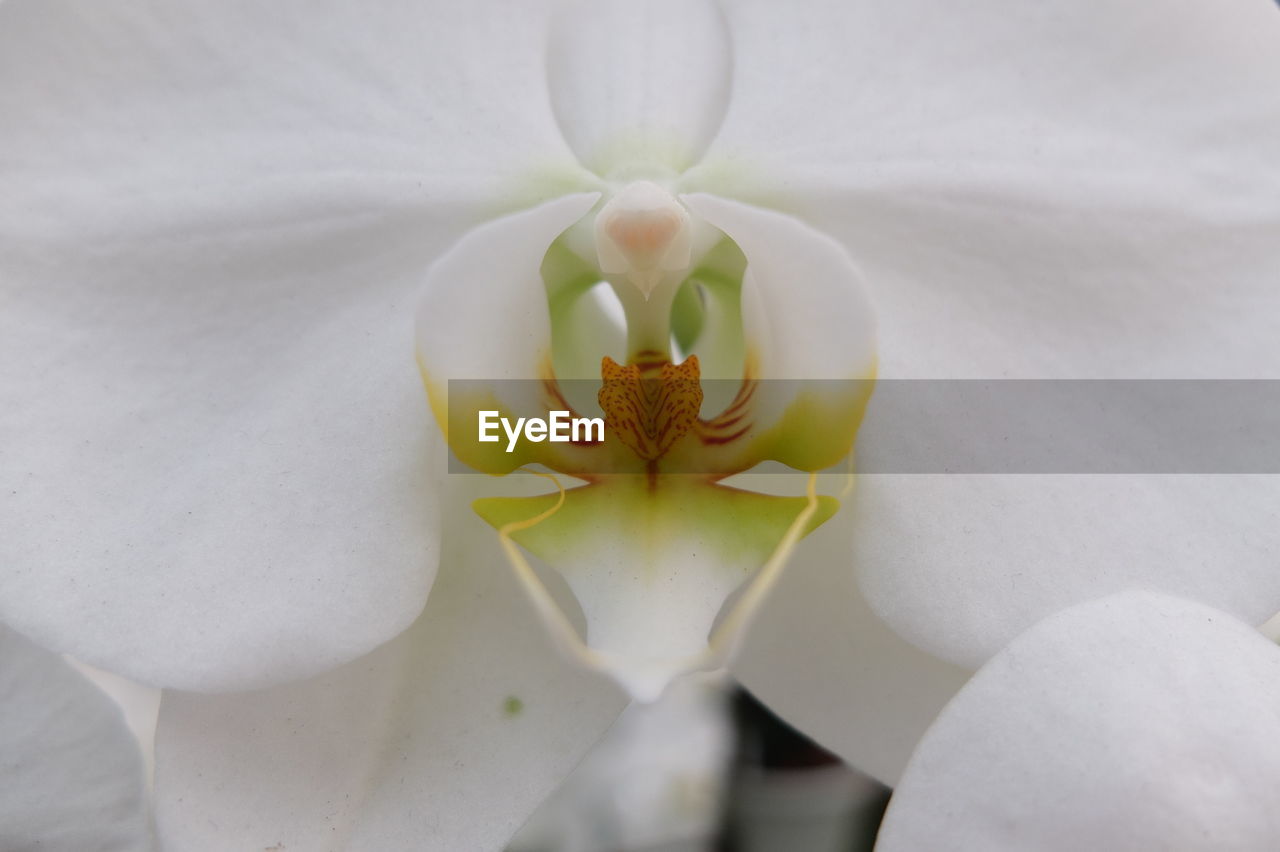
217 457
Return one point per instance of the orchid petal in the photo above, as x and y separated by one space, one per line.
818 657
445 738
811 318
1091 205
224 484
212 220
483 317
1103 202
960 564
141 116
809 332
73 774
1136 722
639 83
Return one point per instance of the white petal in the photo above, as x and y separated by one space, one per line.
483 312
73 774
216 455
138 115
811 318
483 319
809 332
1074 189
1136 722
822 660
446 738
960 564
639 83
213 219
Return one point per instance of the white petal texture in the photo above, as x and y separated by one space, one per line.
809 331
822 660
213 220
1137 722
960 564
216 476
1068 189
73 776
483 318
445 738
811 318
639 83
1065 190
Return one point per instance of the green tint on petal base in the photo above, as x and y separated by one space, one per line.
818 426
652 561
687 315
577 340
718 340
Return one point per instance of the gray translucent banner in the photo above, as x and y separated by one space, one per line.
999 426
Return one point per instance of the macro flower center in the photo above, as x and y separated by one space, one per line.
650 405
